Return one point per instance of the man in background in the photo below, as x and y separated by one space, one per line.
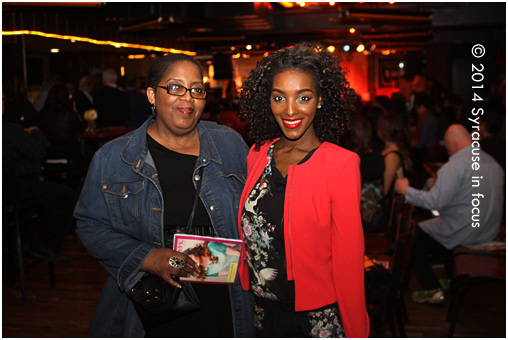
453 195
111 103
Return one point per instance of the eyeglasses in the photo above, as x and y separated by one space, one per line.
179 90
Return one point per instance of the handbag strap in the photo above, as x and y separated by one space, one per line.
196 198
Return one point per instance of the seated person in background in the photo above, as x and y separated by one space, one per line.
454 194
23 151
372 167
16 108
395 136
111 103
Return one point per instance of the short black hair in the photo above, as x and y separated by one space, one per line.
161 66
331 120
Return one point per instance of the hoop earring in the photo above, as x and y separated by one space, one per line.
319 106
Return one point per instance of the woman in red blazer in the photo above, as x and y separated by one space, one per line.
299 213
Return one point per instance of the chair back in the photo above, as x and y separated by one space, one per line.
394 220
10 195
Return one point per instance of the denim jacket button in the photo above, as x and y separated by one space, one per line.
212 208
238 309
197 178
203 160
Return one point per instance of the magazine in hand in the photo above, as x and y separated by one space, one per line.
218 258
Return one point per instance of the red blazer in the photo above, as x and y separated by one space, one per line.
322 230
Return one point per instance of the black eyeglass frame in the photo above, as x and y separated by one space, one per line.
183 94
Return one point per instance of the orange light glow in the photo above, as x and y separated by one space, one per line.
136 56
287 4
352 30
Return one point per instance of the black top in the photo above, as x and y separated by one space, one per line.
372 166
265 242
214 319
175 176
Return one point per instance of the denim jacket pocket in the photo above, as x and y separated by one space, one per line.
124 199
238 180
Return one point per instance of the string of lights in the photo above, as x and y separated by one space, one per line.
98 42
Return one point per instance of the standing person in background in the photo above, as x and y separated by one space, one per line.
138 103
139 192
299 212
61 124
111 103
84 96
50 81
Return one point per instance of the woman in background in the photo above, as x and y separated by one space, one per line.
372 168
395 136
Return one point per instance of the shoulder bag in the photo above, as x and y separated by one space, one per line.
158 302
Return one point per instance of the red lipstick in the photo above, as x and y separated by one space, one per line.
292 123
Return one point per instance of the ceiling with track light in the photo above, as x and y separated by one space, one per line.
227 27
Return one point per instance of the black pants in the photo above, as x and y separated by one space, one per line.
423 247
56 204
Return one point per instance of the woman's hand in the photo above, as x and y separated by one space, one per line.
157 263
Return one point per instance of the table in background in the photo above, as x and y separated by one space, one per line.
92 140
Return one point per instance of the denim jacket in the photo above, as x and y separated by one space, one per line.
120 217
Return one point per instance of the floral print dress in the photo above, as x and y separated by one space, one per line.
263 229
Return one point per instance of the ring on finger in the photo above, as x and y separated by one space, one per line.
177 262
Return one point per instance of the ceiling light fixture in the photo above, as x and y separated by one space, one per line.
98 42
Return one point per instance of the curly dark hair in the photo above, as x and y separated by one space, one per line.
331 120
202 250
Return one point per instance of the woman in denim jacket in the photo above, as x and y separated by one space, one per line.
141 186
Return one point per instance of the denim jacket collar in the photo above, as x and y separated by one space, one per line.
136 152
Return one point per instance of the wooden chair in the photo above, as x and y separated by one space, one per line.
469 265
64 171
11 205
383 242
15 210
393 313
